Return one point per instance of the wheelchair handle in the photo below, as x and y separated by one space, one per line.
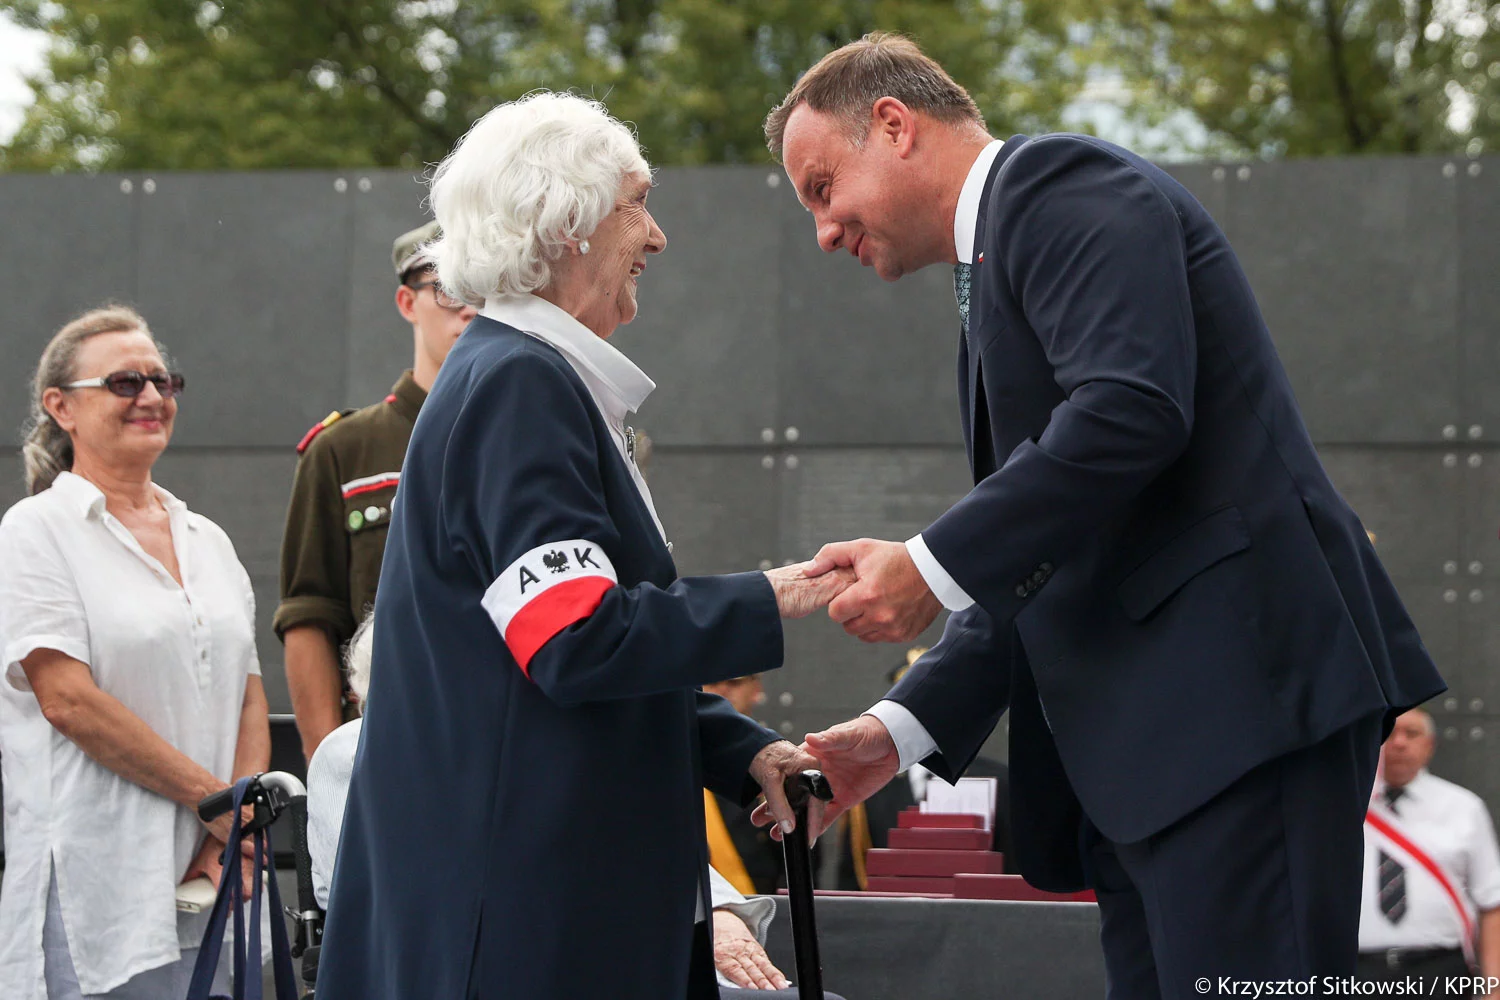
270 793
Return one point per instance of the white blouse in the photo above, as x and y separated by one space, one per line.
74 579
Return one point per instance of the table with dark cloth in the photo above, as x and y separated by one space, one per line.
940 949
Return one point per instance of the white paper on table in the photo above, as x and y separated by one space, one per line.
971 796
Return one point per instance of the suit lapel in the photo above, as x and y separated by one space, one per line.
979 434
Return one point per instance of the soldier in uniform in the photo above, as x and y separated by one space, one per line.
341 502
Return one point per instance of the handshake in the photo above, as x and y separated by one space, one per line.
876 592
872 588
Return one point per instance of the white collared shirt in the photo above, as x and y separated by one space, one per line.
617 385
913 742
328 776
1452 826
966 218
74 579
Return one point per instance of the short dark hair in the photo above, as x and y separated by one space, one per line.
848 81
427 268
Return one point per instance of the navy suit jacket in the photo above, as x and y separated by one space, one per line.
1168 589
484 815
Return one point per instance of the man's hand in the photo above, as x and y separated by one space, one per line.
858 758
772 766
800 592
740 958
889 602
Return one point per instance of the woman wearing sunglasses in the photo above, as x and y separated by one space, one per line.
132 688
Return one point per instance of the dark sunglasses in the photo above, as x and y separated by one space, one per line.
132 384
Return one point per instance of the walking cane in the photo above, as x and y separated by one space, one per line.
799 882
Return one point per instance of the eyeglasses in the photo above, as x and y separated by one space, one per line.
131 384
442 298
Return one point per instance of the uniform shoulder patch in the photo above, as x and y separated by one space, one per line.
320 427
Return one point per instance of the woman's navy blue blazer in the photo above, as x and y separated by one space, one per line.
534 743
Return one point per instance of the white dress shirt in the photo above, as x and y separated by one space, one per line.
1452 826
912 739
328 775
74 579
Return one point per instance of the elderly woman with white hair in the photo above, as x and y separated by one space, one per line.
535 729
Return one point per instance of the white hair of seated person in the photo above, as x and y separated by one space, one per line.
528 179
357 659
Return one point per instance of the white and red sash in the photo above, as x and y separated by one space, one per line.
546 590
1388 828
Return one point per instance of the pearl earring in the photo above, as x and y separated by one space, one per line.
583 246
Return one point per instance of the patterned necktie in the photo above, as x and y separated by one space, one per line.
1390 885
961 276
1390 874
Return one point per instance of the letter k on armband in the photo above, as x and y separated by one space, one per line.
546 590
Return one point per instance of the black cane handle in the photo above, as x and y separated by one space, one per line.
800 786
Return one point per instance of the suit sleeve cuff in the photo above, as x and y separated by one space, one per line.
943 586
912 740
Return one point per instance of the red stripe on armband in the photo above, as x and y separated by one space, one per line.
547 589
552 611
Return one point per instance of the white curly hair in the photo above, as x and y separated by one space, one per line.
526 179
357 656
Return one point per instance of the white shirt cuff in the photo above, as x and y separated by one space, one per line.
912 740
943 586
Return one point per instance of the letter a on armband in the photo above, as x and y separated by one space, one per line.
547 589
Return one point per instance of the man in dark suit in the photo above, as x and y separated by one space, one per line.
1197 644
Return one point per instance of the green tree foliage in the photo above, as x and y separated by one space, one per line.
188 84
1309 77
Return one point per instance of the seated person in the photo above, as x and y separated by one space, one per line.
740 957
331 765
739 924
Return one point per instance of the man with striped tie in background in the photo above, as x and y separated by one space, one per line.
1432 869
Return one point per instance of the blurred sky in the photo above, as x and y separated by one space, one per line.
20 53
